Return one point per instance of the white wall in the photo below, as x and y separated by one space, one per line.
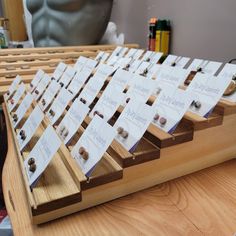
201 28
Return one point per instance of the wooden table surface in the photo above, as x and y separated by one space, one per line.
203 203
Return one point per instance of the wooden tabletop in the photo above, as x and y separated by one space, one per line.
203 203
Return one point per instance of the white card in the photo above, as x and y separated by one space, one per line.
38 76
16 97
30 126
171 76
90 63
207 91
80 63
140 90
79 80
135 119
170 109
123 62
103 71
208 67
102 56
95 140
61 67
131 52
177 60
229 70
108 103
134 66
91 90
13 87
23 107
152 57
120 79
113 60
41 87
153 71
72 121
143 68
59 105
49 95
67 76
43 152
134 53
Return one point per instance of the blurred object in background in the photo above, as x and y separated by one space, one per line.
4 33
111 36
152 34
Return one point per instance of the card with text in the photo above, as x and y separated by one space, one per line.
92 145
152 57
59 105
143 68
38 76
42 85
103 71
61 67
79 80
176 61
13 87
49 95
102 57
67 76
91 90
229 70
80 63
204 66
30 126
120 79
22 109
41 155
207 91
135 65
132 124
140 90
72 121
108 103
153 71
171 76
16 97
170 108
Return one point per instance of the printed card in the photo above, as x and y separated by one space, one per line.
79 80
92 145
120 79
108 103
102 56
72 121
170 109
132 124
80 63
13 87
153 71
170 76
41 155
61 67
229 70
176 61
143 68
67 76
16 97
113 60
39 75
208 67
134 66
42 85
140 90
152 57
59 105
103 71
91 90
22 109
49 95
123 62
30 126
207 91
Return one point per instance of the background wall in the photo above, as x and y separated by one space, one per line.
201 29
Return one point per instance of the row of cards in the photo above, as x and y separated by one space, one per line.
165 112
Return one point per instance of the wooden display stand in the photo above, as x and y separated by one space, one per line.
63 189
